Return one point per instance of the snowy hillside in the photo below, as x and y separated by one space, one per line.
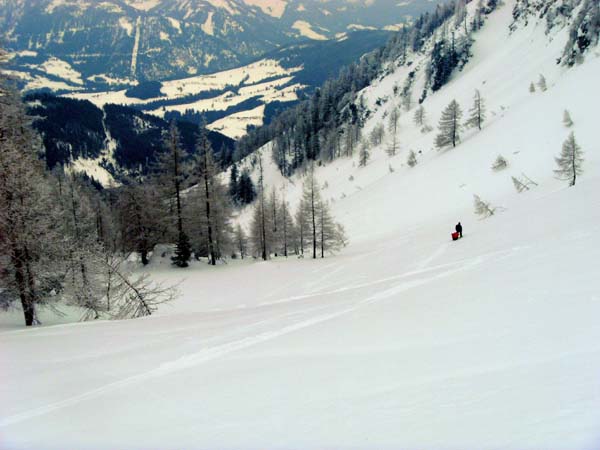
405 339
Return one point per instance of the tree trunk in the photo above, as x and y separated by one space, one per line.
24 294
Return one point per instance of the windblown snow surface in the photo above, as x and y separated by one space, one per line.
404 340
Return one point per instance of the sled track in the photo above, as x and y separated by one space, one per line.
218 351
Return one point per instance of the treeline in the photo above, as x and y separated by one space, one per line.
59 238
327 125
72 128
63 239
276 230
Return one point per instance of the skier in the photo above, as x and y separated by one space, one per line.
458 229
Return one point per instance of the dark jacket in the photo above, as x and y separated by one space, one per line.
458 228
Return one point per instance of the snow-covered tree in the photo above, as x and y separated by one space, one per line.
500 163
301 229
28 236
351 138
532 87
206 172
570 161
364 155
393 128
287 228
460 13
241 241
139 210
483 208
273 206
449 126
567 121
520 186
412 159
311 198
131 296
420 116
523 183
477 111
261 228
542 83
331 235
172 172
377 134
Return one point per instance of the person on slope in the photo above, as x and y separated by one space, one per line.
458 229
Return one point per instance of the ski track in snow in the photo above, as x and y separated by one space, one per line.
439 252
221 350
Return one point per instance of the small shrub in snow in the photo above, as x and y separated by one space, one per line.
567 121
523 183
542 83
482 208
391 169
377 134
351 178
500 164
363 155
419 116
412 159
393 128
532 88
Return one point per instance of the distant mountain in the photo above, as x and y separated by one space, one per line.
84 43
246 96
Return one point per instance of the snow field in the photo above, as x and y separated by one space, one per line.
403 340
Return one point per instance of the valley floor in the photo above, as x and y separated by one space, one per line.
410 341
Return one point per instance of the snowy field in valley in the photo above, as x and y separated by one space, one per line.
405 339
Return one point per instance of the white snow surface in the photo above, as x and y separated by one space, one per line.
403 340
249 80
306 29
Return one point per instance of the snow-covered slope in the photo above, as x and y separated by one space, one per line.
405 339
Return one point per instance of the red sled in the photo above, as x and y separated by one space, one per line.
455 236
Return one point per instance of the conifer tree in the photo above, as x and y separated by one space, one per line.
241 241
234 185
261 227
172 171
542 83
449 126
483 208
570 161
83 252
500 163
412 159
567 121
139 213
364 155
246 189
477 111
331 235
301 229
523 183
311 198
420 116
27 232
532 88
287 228
393 128
206 171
